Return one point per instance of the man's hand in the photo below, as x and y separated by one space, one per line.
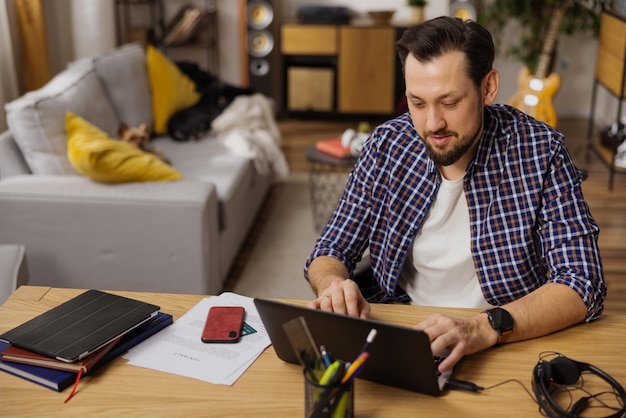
335 291
344 297
461 335
535 314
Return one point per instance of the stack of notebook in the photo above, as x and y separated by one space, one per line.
56 348
333 147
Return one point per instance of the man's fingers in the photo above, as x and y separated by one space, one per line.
460 335
343 297
451 360
435 325
325 303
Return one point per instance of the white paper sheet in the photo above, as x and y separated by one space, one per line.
178 349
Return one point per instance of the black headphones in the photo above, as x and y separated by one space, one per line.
564 371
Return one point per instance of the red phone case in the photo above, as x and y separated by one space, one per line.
223 324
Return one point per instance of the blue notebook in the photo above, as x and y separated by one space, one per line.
59 379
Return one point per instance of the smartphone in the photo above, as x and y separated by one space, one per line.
223 324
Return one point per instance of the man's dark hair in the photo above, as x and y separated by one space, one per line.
438 36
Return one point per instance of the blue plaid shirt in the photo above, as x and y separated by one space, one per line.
529 222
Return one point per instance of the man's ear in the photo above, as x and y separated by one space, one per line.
490 87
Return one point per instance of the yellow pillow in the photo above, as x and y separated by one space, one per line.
171 89
93 154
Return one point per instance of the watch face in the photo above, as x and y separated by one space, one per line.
501 319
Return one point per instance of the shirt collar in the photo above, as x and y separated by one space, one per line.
492 127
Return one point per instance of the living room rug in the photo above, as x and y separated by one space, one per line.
271 263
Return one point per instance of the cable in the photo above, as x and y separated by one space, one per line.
575 408
556 378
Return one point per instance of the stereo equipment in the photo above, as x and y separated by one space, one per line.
261 38
323 15
464 9
557 374
260 14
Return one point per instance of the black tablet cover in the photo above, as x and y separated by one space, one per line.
81 325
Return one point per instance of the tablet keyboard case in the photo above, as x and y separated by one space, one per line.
81 325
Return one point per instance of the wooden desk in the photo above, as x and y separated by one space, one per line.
273 388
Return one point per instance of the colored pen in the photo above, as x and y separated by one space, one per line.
341 405
354 367
332 375
369 339
325 357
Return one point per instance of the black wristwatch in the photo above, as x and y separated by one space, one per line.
502 322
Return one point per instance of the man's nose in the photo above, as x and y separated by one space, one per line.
434 120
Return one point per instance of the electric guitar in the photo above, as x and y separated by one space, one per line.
536 91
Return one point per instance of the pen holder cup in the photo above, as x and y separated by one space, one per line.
328 401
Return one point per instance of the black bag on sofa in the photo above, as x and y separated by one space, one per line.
215 97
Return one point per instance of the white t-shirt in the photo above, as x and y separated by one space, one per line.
439 271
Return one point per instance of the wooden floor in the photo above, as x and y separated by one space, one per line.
607 207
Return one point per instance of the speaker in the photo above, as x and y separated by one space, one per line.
261 63
464 9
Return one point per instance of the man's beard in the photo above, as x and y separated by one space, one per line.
460 148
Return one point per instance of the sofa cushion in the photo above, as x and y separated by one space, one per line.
37 119
208 160
12 161
171 89
94 154
124 75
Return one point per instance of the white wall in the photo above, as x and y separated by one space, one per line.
360 7
9 81
93 23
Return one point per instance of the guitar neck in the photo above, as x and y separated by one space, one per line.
548 46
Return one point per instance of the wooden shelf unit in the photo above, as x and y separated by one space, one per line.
341 69
611 75
154 31
130 28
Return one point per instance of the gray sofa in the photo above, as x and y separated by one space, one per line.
13 271
180 236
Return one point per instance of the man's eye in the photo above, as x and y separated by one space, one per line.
450 104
